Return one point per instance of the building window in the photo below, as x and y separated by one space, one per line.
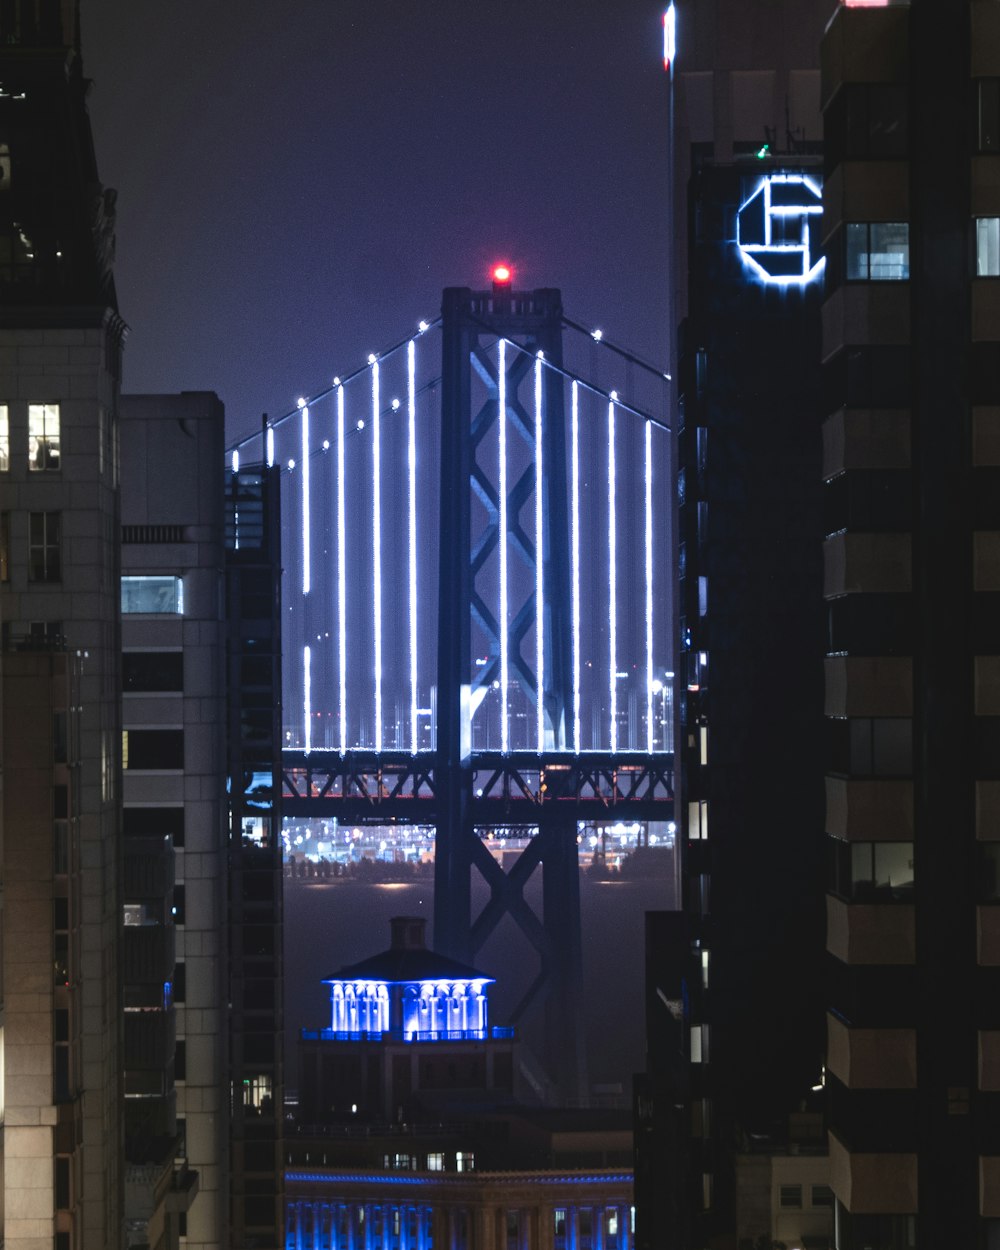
988 247
43 437
152 672
872 872
435 1162
465 1161
154 750
44 545
822 1196
988 115
153 595
878 251
4 439
177 910
790 1195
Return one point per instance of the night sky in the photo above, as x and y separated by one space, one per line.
297 181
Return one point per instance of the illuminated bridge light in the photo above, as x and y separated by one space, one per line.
612 581
341 574
575 559
669 37
411 457
307 698
423 327
539 560
648 481
270 447
306 509
502 542
377 548
236 462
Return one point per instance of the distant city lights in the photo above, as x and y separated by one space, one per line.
502 274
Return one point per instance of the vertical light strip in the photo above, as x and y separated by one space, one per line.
648 474
612 584
411 376
575 538
377 551
270 447
341 573
502 541
539 562
307 698
306 536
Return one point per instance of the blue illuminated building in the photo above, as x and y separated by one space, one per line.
417 1124
402 1022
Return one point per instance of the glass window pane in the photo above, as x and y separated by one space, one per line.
43 437
988 119
894 867
857 251
152 594
988 247
890 251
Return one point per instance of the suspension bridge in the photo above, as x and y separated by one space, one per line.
476 597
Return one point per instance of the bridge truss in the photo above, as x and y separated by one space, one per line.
476 628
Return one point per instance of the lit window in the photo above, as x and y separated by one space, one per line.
465 1161
43 437
878 251
435 1163
4 439
152 595
790 1195
44 545
257 1093
988 247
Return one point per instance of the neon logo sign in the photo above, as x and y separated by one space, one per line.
774 230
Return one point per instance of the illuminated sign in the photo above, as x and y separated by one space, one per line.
774 230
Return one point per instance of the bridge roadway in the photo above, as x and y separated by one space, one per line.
521 788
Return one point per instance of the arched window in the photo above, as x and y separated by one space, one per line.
337 1022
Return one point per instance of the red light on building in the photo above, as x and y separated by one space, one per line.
502 275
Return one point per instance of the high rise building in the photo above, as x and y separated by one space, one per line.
911 97
736 980
60 366
175 819
256 943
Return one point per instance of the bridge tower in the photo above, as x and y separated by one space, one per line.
528 323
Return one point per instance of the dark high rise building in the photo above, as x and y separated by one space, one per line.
253 663
60 740
911 98
743 970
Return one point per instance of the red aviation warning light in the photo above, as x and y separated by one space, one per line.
502 275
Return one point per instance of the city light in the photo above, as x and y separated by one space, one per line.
539 562
270 447
411 456
502 274
341 574
612 581
575 559
306 511
377 548
502 541
790 200
307 698
648 481
669 37
236 462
